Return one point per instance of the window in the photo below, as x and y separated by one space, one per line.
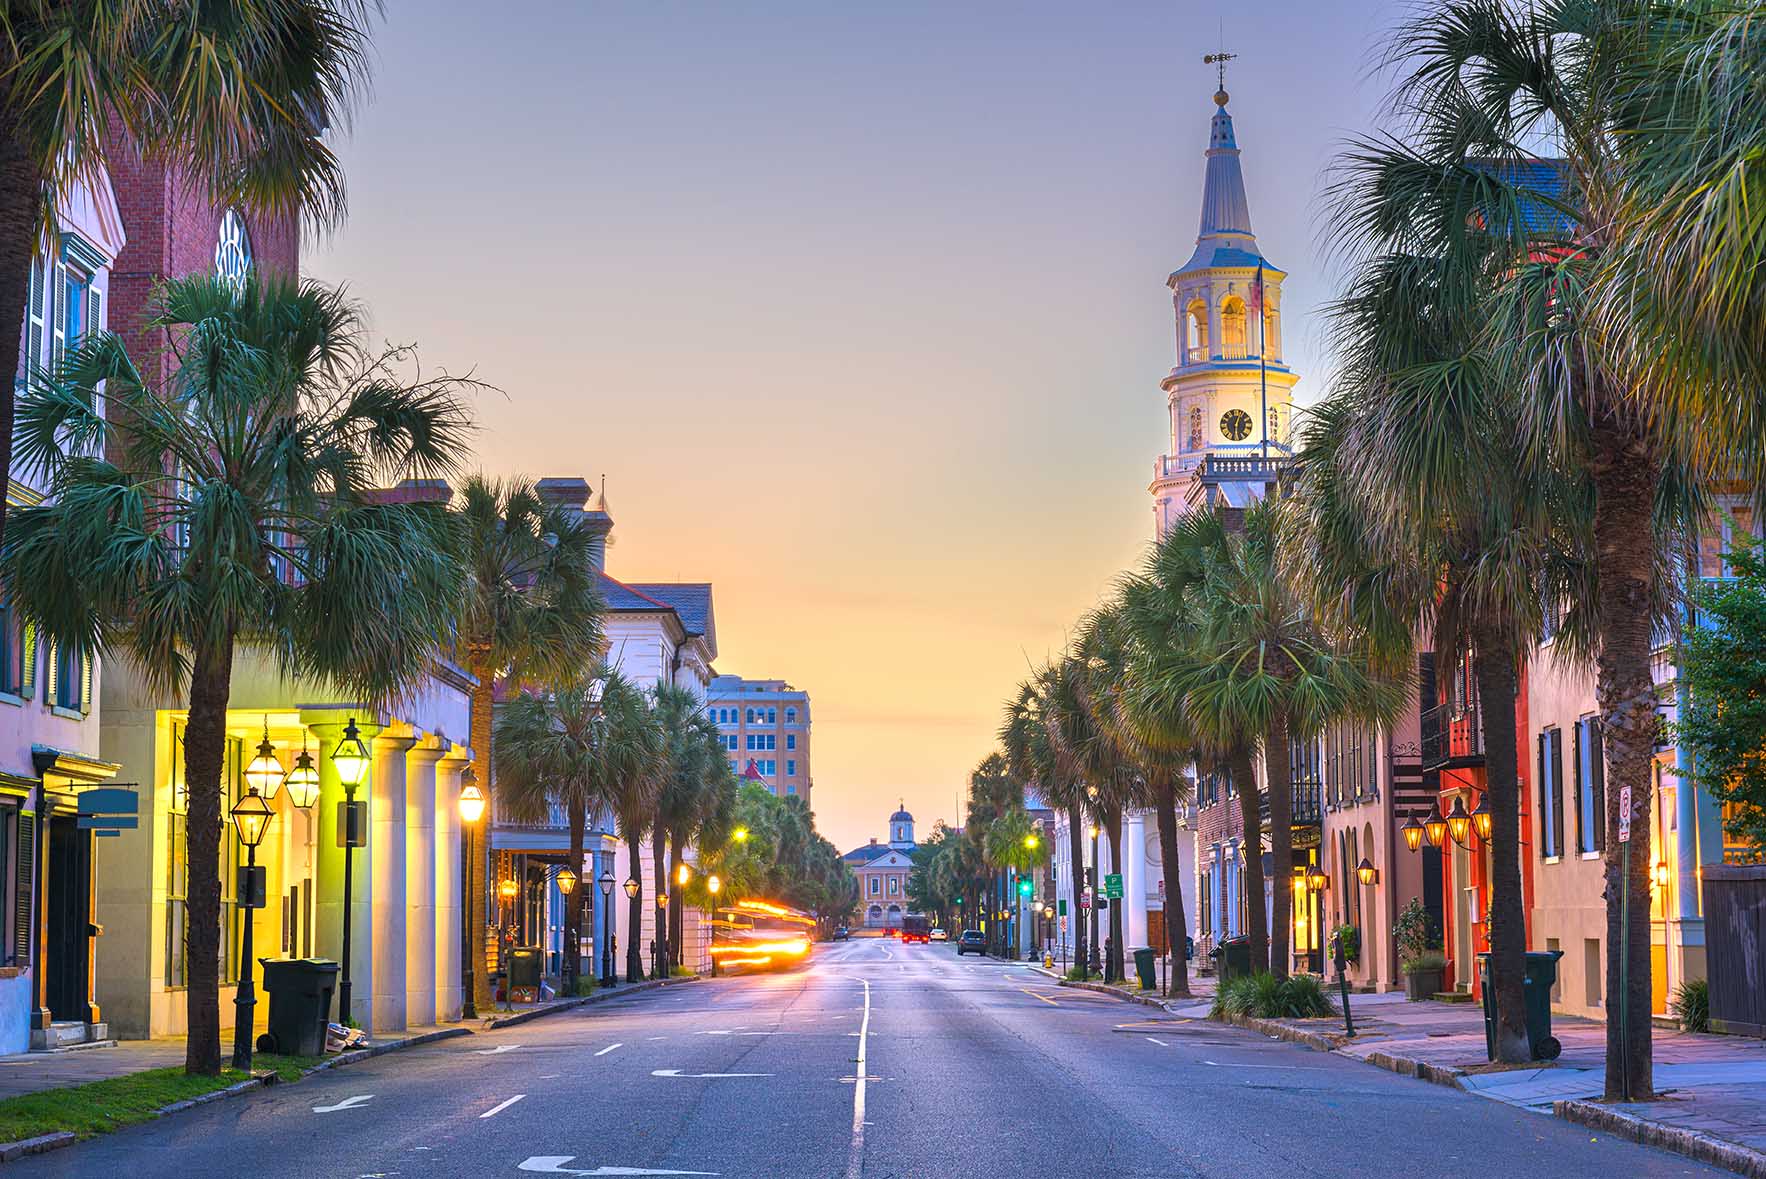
790 716
761 742
178 869
1198 433
1275 425
772 716
876 886
895 886
790 767
729 740
1727 529
1551 793
766 766
1590 782
1196 332
790 741
18 653
69 685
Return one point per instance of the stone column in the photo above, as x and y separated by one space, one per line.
327 725
1134 883
388 788
450 882
424 814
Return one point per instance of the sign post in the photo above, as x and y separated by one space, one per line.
1624 942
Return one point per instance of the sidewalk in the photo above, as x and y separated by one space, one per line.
1711 1087
34 1072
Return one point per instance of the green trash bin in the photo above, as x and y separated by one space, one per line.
1540 976
1233 958
524 972
1143 968
300 1004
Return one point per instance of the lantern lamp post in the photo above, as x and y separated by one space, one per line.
1435 827
606 883
1459 822
1366 872
265 774
251 819
1413 833
302 780
1482 818
713 886
471 811
350 759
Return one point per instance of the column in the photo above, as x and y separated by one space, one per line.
388 788
424 810
450 883
327 725
1134 881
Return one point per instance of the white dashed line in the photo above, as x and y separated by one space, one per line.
608 1049
494 1110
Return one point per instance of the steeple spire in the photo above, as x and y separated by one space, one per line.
1226 213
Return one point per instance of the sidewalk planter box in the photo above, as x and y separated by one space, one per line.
1423 984
1735 931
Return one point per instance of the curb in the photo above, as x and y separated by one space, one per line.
1690 1143
520 1017
1125 996
355 1054
1404 1066
41 1144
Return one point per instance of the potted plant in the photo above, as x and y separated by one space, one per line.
1419 952
1348 938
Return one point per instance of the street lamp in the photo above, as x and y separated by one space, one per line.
303 780
1316 879
350 759
683 874
1459 822
251 819
606 883
264 774
471 806
712 885
740 835
1413 833
1031 841
1659 873
1366 872
566 880
1481 817
631 887
1435 827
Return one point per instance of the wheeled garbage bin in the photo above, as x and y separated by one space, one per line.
524 974
300 1004
1143 968
1541 975
1233 958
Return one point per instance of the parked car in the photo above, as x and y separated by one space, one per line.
841 933
972 940
938 935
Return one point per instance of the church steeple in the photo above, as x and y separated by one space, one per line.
1226 212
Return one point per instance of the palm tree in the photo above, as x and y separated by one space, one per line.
531 614
1630 400
634 767
240 95
235 507
697 785
1027 737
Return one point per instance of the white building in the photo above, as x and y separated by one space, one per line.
882 870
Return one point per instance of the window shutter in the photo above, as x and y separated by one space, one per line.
34 346
23 900
58 317
1597 773
1545 848
52 675
87 664
1582 843
27 678
94 312
1557 784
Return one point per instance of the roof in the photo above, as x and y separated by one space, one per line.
690 599
901 816
1543 177
867 853
622 597
1224 237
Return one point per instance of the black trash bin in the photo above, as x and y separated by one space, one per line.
1235 958
1143 968
524 970
1541 975
300 1004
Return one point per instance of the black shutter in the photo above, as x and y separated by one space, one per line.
1557 783
1546 831
23 896
1582 843
1597 772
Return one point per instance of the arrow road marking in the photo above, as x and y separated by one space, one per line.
675 1072
608 1049
346 1103
553 1164
498 1050
494 1110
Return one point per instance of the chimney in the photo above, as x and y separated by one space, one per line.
570 492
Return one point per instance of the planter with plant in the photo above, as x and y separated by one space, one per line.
1419 951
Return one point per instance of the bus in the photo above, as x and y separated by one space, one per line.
916 928
754 934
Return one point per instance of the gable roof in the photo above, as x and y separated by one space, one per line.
623 598
691 600
867 853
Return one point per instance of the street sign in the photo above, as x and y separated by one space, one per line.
1085 899
1113 885
1061 906
1624 814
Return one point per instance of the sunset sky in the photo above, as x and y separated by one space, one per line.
860 308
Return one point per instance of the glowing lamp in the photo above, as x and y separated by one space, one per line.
265 772
507 888
1316 879
1413 833
351 756
632 886
1031 841
1366 872
303 780
740 835
1659 872
566 881
1459 822
683 874
251 817
1481 817
712 884
471 800
662 900
1435 827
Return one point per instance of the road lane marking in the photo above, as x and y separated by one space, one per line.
608 1049
498 1050
1301 1068
494 1110
346 1103
1158 1041
553 1164
855 1161
675 1072
1044 998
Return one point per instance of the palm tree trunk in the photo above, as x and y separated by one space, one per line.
205 751
634 912
1278 772
1176 928
1113 971
1256 926
1495 662
1076 852
477 870
1627 473
664 960
571 969
21 203
677 904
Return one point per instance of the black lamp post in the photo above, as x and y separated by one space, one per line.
634 964
350 759
251 818
471 811
606 883
571 966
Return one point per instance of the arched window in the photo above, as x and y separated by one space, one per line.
1272 331
1196 332
1232 328
790 716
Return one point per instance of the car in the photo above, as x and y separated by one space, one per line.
972 940
841 933
938 935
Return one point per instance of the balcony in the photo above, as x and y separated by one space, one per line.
1453 736
1250 466
1308 805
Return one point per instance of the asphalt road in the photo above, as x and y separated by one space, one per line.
875 1059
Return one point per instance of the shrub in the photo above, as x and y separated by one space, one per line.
1415 932
1692 1005
1425 960
1264 996
1303 996
585 987
1349 938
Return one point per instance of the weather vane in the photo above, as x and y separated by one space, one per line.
1218 61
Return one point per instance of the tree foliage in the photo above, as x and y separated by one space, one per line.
1723 727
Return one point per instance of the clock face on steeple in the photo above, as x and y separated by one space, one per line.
1236 425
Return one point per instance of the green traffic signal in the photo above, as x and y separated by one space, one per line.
1024 888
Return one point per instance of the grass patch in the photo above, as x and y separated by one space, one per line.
286 1068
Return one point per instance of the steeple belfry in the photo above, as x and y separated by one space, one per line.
1230 394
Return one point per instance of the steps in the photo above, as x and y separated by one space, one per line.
67 1035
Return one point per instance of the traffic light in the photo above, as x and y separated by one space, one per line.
1024 888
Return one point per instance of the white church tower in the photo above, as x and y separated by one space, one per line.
1230 396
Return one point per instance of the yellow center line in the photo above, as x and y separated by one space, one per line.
1034 995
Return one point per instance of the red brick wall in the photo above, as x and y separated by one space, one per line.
172 226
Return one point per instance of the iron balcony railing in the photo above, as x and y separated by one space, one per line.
1452 735
1308 807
